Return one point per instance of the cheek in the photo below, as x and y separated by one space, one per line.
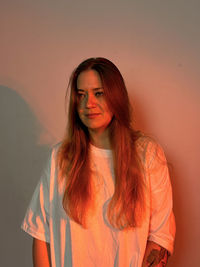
80 112
79 108
108 112
110 115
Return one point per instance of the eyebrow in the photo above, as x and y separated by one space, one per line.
94 89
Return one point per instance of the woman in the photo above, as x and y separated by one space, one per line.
105 196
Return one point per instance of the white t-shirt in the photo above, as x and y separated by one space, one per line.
101 245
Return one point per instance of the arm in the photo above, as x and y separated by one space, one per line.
41 253
162 224
155 255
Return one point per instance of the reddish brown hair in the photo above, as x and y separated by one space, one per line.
127 203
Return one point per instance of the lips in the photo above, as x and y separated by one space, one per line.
92 115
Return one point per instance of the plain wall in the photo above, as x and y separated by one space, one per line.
154 43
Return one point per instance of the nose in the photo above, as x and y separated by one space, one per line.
90 101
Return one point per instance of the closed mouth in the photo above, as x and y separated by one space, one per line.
91 115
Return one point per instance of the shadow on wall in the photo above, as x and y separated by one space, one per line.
22 160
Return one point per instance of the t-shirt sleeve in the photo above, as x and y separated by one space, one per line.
162 223
36 221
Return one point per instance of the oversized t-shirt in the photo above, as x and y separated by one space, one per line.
100 244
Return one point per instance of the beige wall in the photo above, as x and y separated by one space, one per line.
154 43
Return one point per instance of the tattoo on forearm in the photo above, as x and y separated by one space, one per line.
158 257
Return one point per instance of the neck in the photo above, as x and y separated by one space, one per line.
100 139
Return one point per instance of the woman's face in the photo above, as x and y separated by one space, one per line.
92 107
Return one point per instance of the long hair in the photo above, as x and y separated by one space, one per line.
127 203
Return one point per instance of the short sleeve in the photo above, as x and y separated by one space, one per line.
162 223
36 221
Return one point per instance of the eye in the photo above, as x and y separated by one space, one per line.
99 93
80 95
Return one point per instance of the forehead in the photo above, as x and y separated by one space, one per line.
89 79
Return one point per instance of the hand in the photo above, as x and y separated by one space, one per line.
155 255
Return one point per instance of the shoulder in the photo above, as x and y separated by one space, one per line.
149 151
56 147
51 160
55 150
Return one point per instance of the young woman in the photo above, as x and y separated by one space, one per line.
105 196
